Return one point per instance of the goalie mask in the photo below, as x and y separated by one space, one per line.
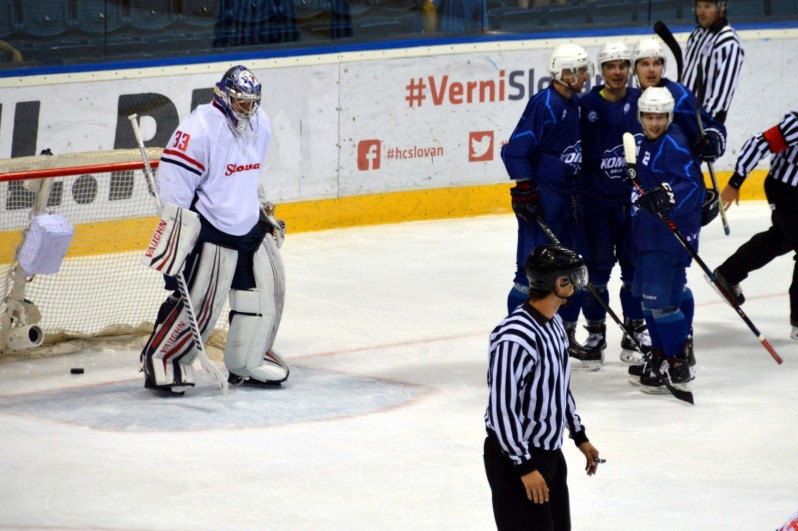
656 100
572 58
547 264
238 96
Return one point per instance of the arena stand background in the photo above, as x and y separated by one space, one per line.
75 32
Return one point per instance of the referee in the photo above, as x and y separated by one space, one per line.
530 400
781 190
714 48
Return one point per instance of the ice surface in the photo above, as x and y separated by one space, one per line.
380 425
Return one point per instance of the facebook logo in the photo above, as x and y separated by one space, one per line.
368 155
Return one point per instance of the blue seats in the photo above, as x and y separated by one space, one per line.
201 13
43 18
615 13
243 23
150 15
97 16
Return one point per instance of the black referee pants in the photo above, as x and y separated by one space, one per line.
512 510
779 239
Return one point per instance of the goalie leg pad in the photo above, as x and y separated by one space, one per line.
255 318
173 240
169 354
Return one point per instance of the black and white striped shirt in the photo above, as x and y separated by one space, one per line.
781 142
529 375
718 52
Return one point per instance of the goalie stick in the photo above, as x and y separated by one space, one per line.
631 161
699 101
209 367
661 29
680 394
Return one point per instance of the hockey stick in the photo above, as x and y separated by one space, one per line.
680 394
670 41
699 100
630 155
209 367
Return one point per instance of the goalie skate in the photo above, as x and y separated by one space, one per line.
274 367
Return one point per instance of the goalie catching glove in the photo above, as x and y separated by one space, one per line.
657 200
526 201
270 224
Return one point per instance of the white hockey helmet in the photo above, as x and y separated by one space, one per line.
649 47
656 100
568 57
238 95
614 51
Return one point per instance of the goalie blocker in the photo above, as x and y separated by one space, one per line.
250 269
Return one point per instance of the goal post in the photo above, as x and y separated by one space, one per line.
101 287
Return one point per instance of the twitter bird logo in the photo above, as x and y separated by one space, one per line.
480 146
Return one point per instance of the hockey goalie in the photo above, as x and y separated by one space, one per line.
218 230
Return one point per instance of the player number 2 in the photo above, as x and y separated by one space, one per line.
181 140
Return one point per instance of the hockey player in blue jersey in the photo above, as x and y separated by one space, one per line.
649 69
649 65
543 158
608 112
673 185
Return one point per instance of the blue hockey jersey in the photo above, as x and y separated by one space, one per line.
685 117
668 159
545 146
602 126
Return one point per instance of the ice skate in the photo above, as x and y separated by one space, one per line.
676 369
735 290
591 354
164 390
638 370
630 353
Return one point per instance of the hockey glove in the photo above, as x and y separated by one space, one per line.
526 201
658 200
709 147
271 225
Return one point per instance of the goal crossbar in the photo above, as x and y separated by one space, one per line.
101 287
87 162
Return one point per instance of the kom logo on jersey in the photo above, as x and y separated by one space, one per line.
369 155
613 163
572 156
480 146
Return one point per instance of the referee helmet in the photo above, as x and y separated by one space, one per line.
546 264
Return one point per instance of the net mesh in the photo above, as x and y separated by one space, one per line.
102 288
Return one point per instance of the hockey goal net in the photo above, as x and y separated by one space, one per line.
101 288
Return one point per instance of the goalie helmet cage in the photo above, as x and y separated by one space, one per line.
102 288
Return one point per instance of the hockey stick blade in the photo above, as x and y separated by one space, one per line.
661 29
685 396
206 363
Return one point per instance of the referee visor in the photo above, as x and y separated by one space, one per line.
578 277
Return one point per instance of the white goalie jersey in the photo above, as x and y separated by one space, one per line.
206 159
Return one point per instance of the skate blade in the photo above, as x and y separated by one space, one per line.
587 366
662 390
632 357
635 380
